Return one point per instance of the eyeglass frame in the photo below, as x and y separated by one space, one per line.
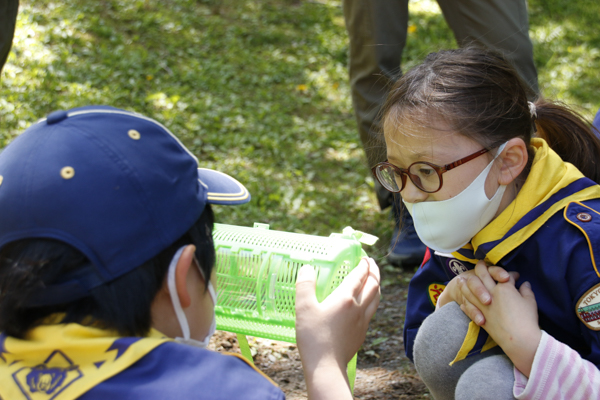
403 172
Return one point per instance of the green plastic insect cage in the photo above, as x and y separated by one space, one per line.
256 275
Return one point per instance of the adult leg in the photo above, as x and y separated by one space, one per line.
438 341
8 19
497 24
377 33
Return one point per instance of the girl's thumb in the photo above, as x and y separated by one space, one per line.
306 285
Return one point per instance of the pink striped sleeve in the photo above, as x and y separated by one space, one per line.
558 372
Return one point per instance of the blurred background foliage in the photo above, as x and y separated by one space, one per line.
256 88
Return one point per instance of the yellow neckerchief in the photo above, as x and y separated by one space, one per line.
549 174
66 360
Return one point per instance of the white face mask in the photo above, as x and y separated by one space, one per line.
447 225
185 329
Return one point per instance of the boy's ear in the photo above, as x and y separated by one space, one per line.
181 272
514 159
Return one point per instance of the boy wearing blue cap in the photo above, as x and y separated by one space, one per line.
106 259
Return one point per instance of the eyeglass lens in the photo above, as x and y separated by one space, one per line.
423 175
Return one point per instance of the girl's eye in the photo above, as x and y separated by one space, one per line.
425 171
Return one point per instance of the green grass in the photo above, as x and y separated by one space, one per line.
255 88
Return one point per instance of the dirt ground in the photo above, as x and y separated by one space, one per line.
383 371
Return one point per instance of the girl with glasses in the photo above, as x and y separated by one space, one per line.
505 194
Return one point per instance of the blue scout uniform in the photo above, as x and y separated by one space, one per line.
69 361
550 234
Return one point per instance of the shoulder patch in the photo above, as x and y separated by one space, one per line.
588 308
587 220
434 291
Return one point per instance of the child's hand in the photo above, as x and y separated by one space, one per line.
511 319
328 334
473 284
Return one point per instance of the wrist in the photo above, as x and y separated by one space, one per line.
319 360
326 378
521 350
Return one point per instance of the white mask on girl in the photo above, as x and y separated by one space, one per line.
447 225
185 329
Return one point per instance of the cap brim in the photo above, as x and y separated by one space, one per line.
222 188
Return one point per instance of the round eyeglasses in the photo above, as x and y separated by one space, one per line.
424 175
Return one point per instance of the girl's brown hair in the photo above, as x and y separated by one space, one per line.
479 94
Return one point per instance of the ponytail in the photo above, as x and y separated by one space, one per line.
569 135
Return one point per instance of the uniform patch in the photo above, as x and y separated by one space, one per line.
435 289
49 379
588 308
456 266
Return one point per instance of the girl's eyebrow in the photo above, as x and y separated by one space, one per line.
405 162
414 157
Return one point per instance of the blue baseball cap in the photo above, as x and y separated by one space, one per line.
116 185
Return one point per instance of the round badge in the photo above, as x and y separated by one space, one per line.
584 217
457 267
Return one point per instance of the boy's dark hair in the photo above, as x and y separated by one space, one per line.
478 93
122 305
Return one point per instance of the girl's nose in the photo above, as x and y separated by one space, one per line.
412 194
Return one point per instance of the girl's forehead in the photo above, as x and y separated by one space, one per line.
409 140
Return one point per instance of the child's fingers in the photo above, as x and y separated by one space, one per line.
374 270
372 306
371 293
371 282
499 274
476 286
483 273
526 291
514 276
306 283
473 312
355 280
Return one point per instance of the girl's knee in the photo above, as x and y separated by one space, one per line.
438 340
441 336
490 378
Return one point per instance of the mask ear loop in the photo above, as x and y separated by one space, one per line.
213 297
185 328
500 149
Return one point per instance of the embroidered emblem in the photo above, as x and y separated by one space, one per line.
456 266
435 289
49 379
588 308
584 217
